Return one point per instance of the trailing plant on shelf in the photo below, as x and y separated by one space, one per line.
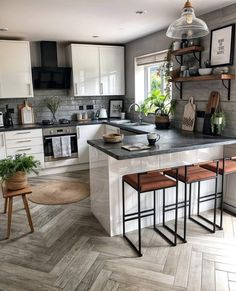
52 103
14 170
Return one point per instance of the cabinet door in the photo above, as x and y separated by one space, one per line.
2 146
85 64
15 70
87 132
112 70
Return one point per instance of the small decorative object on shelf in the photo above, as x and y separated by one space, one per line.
53 104
217 122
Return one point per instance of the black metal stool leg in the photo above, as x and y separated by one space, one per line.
176 212
164 203
222 201
198 197
123 205
190 201
185 209
154 209
139 225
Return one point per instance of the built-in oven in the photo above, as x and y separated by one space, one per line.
50 132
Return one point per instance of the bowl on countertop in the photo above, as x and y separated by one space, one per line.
113 137
205 71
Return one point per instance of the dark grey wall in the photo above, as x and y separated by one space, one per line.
200 90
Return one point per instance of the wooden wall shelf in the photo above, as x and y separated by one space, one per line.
187 50
223 77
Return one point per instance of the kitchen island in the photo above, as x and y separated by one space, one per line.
109 162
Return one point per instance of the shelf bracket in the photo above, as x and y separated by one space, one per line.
198 58
179 87
178 61
228 88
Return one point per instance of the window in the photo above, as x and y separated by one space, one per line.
150 74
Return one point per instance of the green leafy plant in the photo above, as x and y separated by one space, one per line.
158 103
52 104
218 122
13 164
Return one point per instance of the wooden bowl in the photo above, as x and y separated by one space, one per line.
113 137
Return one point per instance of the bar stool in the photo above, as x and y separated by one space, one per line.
226 166
150 182
9 195
190 174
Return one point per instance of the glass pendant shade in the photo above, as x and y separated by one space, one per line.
188 26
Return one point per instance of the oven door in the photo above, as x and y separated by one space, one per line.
48 148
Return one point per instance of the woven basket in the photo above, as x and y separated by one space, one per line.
17 182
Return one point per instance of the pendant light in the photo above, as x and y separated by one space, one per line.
188 26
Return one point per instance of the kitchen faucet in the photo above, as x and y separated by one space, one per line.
140 115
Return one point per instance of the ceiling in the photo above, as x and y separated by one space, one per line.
114 21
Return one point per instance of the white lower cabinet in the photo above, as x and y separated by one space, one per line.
2 146
28 142
84 133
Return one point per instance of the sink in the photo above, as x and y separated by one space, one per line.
135 124
121 121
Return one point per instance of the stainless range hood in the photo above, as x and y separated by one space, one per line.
49 75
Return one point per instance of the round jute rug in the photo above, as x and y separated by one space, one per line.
59 192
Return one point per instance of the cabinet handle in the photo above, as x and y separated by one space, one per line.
26 149
23 132
76 89
3 141
22 141
29 89
101 86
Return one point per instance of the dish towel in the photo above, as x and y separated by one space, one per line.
56 147
65 146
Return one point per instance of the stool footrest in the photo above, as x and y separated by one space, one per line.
135 214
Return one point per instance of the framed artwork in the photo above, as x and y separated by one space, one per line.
222 46
115 107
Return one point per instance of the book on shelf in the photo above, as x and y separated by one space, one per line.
135 147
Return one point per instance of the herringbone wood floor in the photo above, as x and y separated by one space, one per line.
69 250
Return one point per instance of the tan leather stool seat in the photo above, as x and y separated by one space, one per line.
229 167
149 181
194 174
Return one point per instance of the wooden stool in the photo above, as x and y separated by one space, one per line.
226 166
195 174
8 195
150 182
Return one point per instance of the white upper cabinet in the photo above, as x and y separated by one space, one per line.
112 70
97 70
85 64
15 69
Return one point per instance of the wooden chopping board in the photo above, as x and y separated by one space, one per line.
212 105
189 115
26 113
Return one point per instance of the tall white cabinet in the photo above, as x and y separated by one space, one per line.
97 70
15 69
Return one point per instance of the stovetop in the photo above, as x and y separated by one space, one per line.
59 122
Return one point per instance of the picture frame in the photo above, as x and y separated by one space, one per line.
222 46
116 106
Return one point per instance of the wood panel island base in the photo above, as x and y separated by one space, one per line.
108 163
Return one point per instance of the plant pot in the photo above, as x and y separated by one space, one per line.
162 121
17 182
218 120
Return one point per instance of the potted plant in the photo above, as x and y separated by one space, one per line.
161 105
217 122
52 104
14 170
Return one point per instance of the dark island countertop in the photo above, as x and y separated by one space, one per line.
171 141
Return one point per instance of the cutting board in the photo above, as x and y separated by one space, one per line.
26 113
189 115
